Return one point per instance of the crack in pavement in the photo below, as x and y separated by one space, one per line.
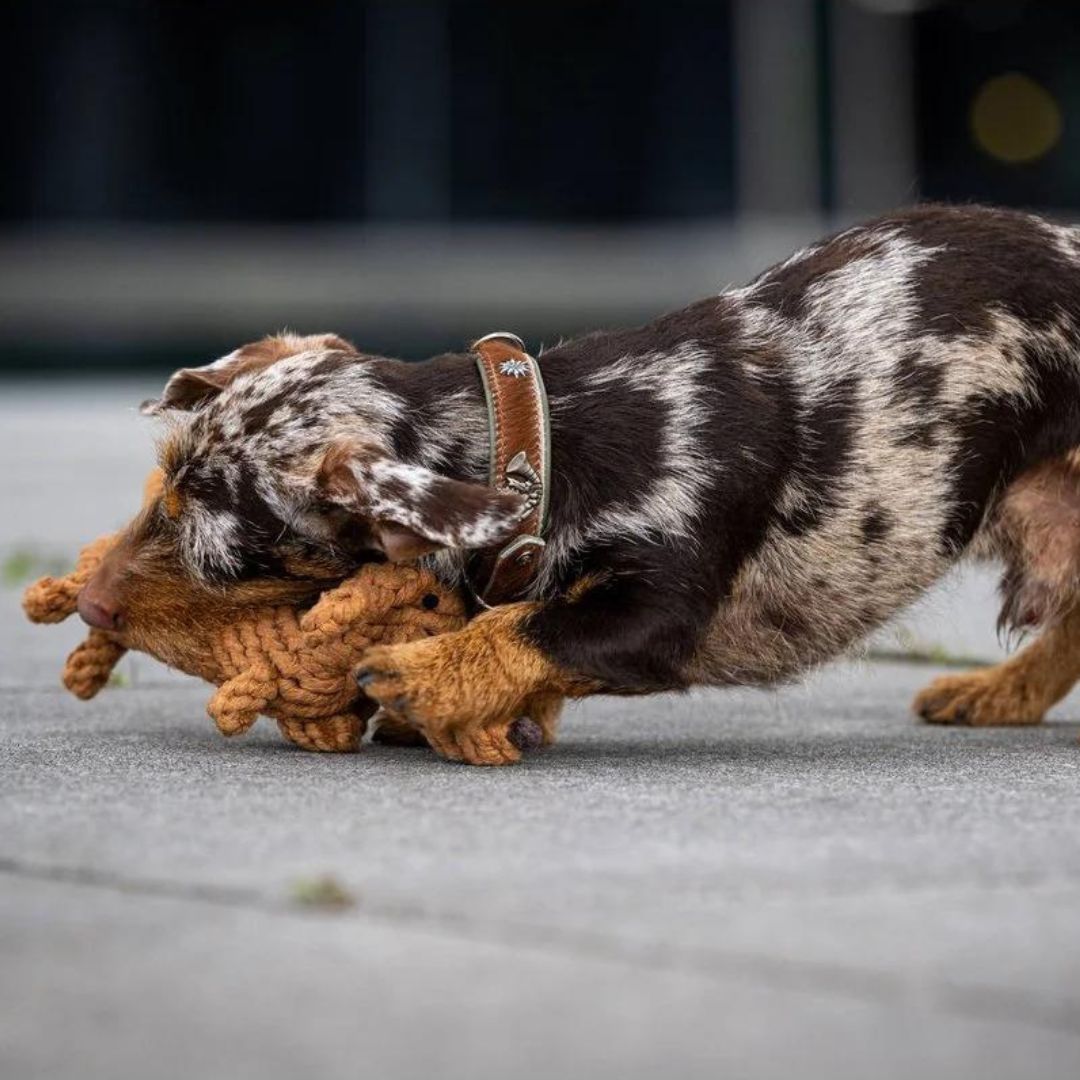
972 1001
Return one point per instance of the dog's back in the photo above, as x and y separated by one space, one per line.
918 366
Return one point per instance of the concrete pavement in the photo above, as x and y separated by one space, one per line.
804 883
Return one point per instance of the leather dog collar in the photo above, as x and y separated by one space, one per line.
520 461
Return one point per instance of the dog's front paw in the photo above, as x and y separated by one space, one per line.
465 714
980 699
406 680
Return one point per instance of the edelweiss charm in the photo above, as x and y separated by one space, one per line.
516 369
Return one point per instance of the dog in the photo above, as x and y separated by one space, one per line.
740 490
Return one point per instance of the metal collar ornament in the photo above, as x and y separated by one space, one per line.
520 461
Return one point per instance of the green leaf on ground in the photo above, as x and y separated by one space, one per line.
23 565
321 892
934 655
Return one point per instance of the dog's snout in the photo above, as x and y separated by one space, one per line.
99 611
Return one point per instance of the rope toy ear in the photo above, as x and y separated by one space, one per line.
51 600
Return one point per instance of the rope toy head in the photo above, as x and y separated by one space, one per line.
294 666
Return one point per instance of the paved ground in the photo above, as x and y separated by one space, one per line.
756 885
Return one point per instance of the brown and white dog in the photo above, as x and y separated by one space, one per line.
739 490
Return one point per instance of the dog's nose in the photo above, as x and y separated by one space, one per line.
98 612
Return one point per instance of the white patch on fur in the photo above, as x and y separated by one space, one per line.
684 470
1066 238
667 511
210 539
462 421
399 492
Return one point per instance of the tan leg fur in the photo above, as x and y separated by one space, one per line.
1019 691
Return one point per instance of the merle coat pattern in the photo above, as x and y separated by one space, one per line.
740 489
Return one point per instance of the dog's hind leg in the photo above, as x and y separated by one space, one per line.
1037 530
1019 691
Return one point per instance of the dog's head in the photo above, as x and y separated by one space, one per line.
281 463
148 598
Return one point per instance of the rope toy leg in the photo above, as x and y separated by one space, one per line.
91 664
238 702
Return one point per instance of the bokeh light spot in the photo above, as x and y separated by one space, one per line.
1014 119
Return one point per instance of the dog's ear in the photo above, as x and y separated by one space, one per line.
190 388
411 510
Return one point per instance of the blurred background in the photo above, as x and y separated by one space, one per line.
180 177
